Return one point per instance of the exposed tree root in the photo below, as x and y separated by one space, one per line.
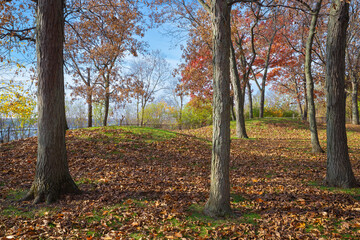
50 192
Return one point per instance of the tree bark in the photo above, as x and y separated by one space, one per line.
218 204
251 113
89 98
238 96
315 144
233 115
339 171
52 176
107 100
305 112
298 99
354 98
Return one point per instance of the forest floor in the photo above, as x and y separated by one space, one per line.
152 184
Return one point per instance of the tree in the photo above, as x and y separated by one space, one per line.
353 59
218 204
267 42
99 35
149 76
243 59
338 171
18 106
52 176
316 148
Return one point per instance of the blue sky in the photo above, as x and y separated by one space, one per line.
168 45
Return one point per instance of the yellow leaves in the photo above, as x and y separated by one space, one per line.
300 225
16 103
255 180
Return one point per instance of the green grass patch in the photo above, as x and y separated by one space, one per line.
86 181
125 134
16 194
249 218
236 198
354 192
150 134
13 211
197 215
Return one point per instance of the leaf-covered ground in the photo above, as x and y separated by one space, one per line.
152 184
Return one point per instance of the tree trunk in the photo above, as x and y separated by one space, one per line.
137 112
354 98
305 113
142 116
218 204
316 148
298 99
89 99
339 171
232 111
262 102
238 96
52 176
107 100
180 112
251 113
263 83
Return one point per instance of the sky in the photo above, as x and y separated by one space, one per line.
169 47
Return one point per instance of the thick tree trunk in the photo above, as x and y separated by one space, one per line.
316 148
354 98
238 96
52 176
339 171
218 204
251 113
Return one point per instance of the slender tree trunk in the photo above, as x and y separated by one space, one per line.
218 204
180 112
52 176
316 148
262 102
298 98
233 115
354 98
251 113
339 171
89 99
107 100
142 116
263 83
238 96
305 113
137 113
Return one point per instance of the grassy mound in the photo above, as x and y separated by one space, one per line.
149 183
